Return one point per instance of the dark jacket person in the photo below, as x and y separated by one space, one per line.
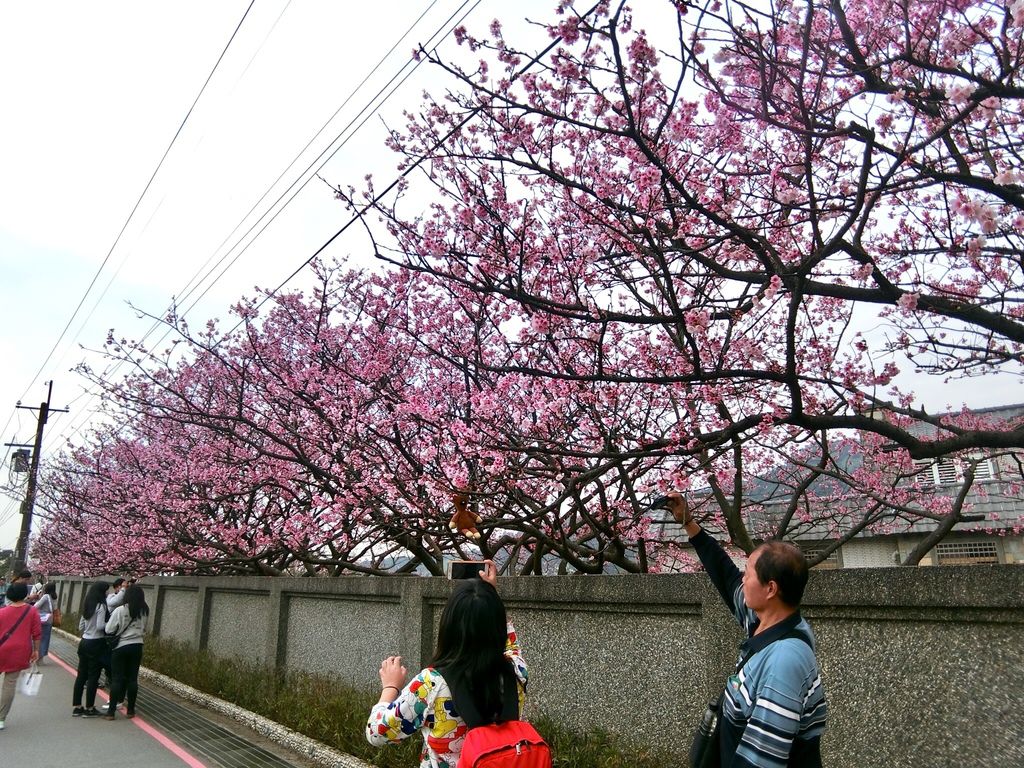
773 711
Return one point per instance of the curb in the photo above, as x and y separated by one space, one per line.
309 748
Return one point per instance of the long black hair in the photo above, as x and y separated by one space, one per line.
51 590
135 599
96 596
471 646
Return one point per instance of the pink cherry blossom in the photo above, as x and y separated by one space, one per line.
626 270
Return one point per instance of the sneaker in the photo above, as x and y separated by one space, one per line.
91 712
108 716
77 712
1 725
129 715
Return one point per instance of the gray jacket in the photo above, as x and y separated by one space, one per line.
121 623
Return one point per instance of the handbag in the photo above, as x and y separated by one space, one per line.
57 617
113 640
30 681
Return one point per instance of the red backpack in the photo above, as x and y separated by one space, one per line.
513 744
510 743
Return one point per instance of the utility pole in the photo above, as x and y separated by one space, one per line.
21 551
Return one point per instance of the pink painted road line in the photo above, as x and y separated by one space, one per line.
189 760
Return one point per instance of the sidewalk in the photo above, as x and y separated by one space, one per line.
40 732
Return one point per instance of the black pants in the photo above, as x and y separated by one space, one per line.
125 661
105 664
89 654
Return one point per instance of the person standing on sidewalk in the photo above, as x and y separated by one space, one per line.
128 622
19 643
90 649
478 651
49 615
115 598
25 577
773 708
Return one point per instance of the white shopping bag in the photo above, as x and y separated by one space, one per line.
30 681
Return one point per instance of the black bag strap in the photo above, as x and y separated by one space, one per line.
125 627
716 704
792 633
16 624
784 629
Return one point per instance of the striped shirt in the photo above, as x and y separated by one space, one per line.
773 709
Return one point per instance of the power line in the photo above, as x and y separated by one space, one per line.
10 510
124 260
377 198
394 87
376 102
398 179
359 214
132 214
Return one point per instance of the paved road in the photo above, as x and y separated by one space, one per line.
40 732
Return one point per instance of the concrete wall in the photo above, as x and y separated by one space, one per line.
922 666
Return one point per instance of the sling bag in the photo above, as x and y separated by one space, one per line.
113 640
18 622
704 751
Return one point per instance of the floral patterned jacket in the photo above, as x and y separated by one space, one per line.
425 704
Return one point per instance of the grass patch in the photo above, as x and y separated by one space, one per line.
315 705
334 713
598 749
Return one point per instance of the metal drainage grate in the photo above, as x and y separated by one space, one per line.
216 746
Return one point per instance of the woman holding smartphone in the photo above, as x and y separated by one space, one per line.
477 662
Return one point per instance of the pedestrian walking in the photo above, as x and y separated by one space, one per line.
19 643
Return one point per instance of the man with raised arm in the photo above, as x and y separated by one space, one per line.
773 709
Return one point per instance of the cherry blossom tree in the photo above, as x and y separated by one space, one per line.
709 223
695 260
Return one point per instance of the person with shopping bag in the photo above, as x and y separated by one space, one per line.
20 631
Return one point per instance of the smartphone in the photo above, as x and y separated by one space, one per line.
659 502
465 569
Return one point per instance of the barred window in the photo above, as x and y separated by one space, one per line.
830 562
967 552
944 471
